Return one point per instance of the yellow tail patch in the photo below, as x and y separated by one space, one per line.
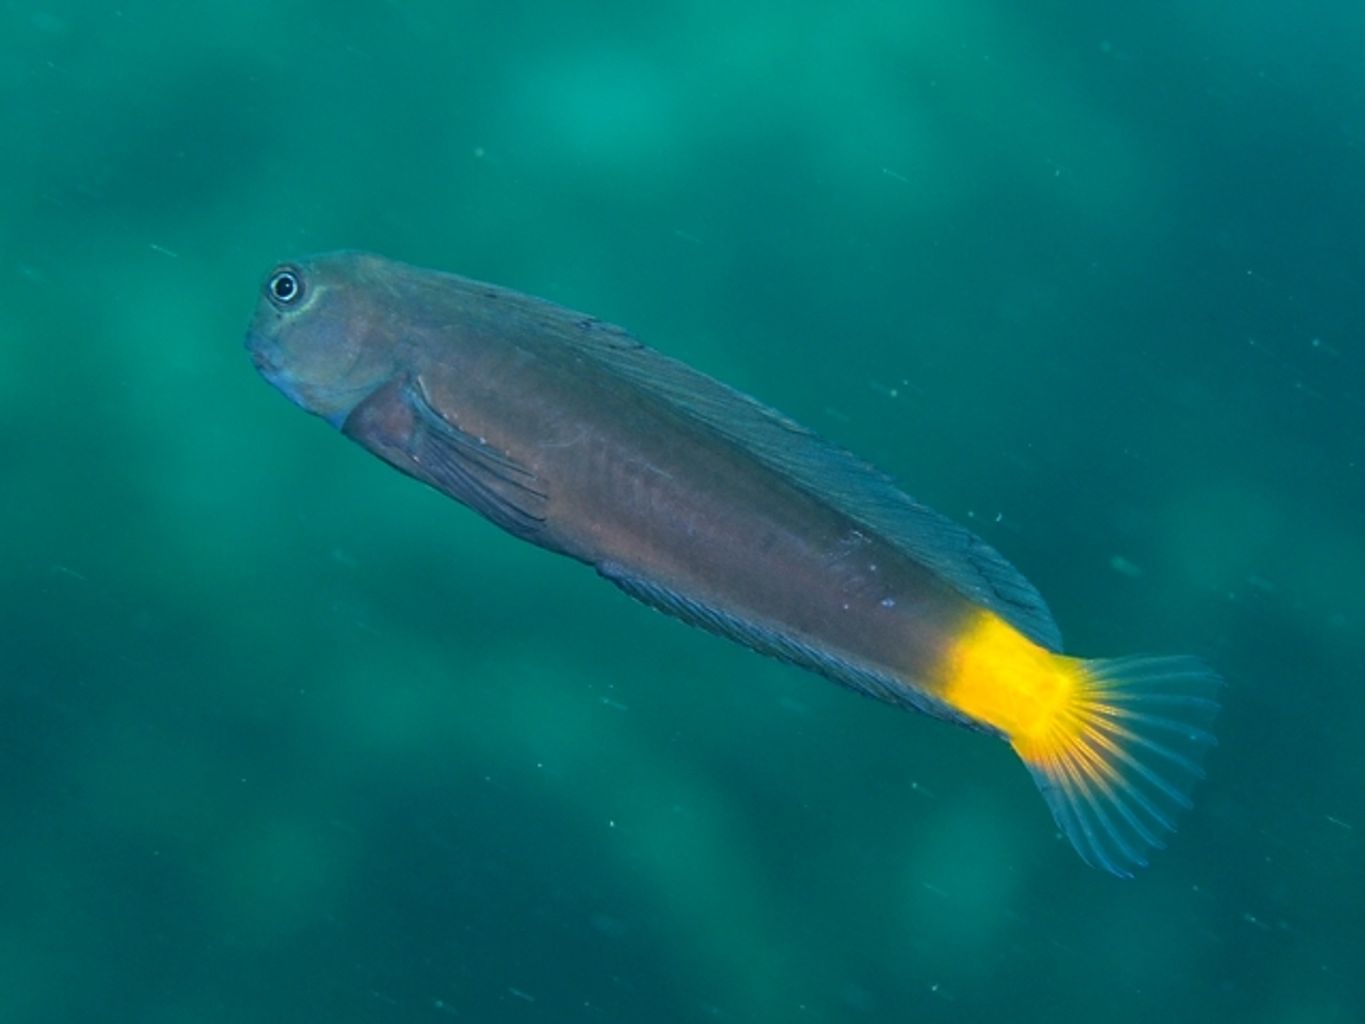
1114 744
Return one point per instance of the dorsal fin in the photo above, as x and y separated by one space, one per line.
826 471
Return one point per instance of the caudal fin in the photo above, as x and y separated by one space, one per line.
1117 762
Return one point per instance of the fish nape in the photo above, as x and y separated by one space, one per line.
713 508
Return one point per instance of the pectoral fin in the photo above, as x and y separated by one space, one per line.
470 470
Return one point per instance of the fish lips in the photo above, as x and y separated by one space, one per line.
258 347
259 359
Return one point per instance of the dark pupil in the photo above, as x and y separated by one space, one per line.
284 286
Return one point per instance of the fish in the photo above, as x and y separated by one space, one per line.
701 502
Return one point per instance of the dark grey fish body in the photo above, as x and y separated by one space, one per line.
693 498
557 427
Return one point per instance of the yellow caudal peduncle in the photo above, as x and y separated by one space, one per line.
998 676
1114 744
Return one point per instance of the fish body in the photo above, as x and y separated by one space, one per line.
697 500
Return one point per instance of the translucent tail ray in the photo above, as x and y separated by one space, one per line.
1119 760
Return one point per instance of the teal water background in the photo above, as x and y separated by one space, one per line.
288 737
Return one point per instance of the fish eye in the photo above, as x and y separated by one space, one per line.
284 287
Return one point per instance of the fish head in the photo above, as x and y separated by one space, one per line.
327 332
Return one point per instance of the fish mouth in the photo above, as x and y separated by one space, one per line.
273 373
256 349
333 404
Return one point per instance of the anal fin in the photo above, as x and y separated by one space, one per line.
776 643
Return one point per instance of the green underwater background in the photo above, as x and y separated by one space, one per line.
288 737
